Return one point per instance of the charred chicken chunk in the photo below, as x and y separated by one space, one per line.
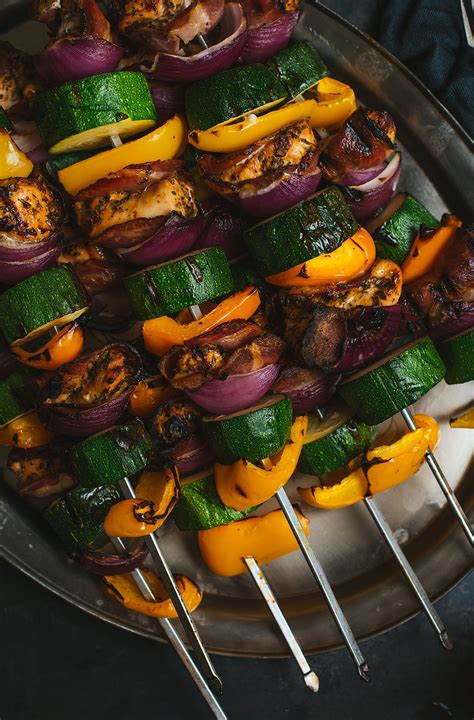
72 18
41 472
18 79
96 268
260 12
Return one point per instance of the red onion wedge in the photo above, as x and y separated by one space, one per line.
462 318
269 38
368 336
280 195
110 564
38 155
191 454
73 59
218 57
236 392
168 99
12 250
307 389
14 271
175 238
225 230
364 200
358 177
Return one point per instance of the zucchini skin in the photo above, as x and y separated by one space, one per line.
319 225
110 456
458 355
382 392
258 434
17 395
199 507
169 288
335 449
89 103
39 300
298 67
231 94
394 238
77 518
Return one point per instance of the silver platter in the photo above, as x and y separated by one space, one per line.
438 169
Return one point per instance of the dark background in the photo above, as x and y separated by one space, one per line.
57 663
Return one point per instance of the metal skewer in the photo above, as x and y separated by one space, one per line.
202 41
177 600
174 639
453 502
310 677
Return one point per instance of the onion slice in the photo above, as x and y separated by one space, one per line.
70 59
14 271
168 99
364 200
369 336
191 454
175 238
225 229
266 40
280 195
307 389
110 564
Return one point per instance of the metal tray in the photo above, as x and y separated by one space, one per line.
438 169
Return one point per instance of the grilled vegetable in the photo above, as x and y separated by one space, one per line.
5 122
298 67
40 472
17 396
96 268
65 346
428 248
124 589
458 356
13 162
25 431
466 420
344 493
148 394
174 421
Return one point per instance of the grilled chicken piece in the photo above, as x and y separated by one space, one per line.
41 472
174 421
72 18
198 19
96 268
138 14
173 194
261 12
291 148
30 209
18 79
364 141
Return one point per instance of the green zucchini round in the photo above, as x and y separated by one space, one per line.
110 456
381 390
319 225
298 67
252 434
168 288
458 356
77 518
84 114
17 396
54 296
199 506
230 94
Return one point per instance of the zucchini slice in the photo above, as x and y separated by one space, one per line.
5 122
298 67
170 287
458 355
393 383
17 396
331 442
52 297
231 94
199 507
84 114
397 226
252 434
77 518
319 225
110 456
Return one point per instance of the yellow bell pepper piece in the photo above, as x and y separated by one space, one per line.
160 334
265 538
335 103
244 485
389 465
25 432
353 258
463 421
227 138
124 589
162 489
13 162
347 492
425 253
145 398
163 143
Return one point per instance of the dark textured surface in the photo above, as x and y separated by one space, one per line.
58 663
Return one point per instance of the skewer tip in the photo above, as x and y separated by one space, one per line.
312 681
445 640
215 683
363 670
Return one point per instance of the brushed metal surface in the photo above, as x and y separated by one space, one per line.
438 168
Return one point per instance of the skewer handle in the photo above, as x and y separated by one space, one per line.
408 571
310 677
177 600
453 502
174 638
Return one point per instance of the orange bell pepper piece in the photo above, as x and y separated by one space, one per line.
353 258
13 162
160 334
243 485
64 347
265 538
25 432
124 589
426 252
463 421
157 494
145 398
347 492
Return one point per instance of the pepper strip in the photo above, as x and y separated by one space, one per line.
124 589
426 252
347 492
64 347
463 421
13 162
25 432
336 101
243 485
353 258
145 399
160 334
